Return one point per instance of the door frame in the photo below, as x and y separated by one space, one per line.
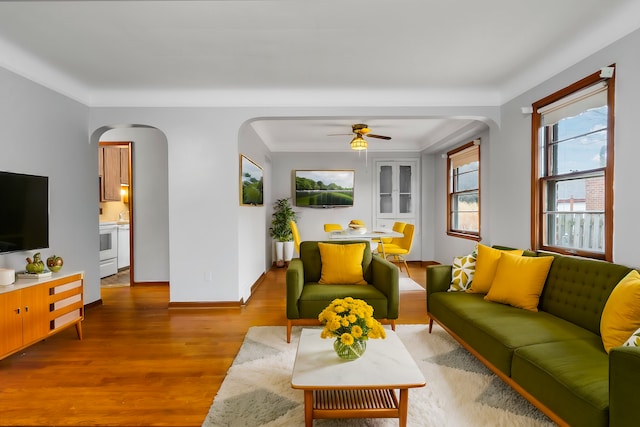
129 145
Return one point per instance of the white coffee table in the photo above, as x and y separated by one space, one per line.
362 388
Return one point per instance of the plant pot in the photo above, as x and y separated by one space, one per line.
280 254
288 251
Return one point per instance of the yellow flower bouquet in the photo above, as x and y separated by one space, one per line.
351 322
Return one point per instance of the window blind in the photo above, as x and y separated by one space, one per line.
578 102
464 157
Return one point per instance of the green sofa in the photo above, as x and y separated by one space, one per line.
554 357
306 298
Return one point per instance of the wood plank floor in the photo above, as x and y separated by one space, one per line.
142 364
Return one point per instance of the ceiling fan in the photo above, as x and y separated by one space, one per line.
360 130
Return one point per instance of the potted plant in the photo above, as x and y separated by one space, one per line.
280 229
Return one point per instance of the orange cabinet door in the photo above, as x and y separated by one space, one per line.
35 314
10 322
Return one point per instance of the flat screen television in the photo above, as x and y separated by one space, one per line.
24 212
324 188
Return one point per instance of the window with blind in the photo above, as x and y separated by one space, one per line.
463 191
572 182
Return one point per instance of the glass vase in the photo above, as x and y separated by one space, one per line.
349 352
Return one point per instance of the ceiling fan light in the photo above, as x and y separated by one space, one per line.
358 143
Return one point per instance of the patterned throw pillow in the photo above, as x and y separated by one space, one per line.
634 339
462 271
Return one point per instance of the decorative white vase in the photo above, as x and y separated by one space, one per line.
279 254
288 251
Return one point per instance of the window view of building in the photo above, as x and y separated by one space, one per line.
573 188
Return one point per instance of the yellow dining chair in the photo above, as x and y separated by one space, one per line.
401 246
383 241
332 227
296 236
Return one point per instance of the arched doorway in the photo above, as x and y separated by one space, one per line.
147 199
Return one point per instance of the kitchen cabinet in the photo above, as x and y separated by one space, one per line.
110 177
124 165
113 171
33 309
100 162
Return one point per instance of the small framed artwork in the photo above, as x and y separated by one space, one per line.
251 177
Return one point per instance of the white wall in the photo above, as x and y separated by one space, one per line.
203 149
311 220
151 201
511 225
45 133
505 194
203 145
203 196
447 247
254 243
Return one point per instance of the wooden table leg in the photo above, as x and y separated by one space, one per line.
308 408
404 406
79 330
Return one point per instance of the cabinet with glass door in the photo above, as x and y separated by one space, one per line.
396 189
397 197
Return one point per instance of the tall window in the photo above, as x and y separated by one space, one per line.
572 183
463 201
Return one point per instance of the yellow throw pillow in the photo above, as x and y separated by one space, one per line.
341 264
621 314
486 265
519 280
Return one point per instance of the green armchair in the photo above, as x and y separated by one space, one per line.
306 298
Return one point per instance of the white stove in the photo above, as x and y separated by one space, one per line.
108 248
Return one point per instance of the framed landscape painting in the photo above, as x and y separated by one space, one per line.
251 176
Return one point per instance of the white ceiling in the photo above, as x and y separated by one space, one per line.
306 52
321 134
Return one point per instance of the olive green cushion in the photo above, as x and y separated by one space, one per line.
577 289
569 377
624 377
496 330
557 354
316 297
306 298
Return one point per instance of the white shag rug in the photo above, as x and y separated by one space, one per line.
460 391
408 284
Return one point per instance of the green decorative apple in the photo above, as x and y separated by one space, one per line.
54 262
35 266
